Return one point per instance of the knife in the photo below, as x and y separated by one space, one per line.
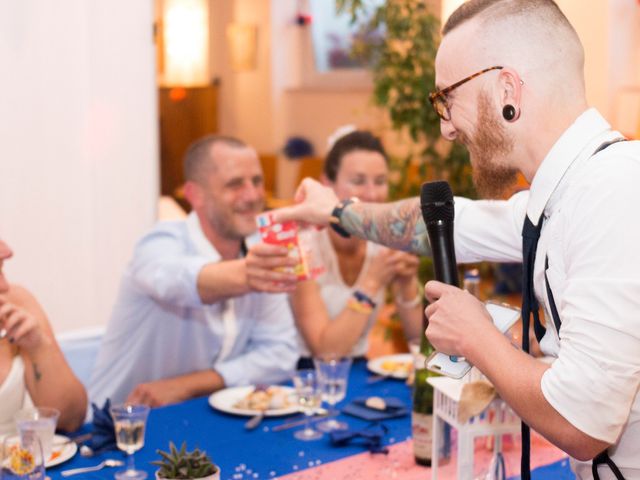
297 423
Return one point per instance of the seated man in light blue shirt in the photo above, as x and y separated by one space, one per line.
197 311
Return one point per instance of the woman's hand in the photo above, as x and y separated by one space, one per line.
382 269
22 328
406 268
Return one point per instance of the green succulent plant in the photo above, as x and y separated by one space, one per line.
180 464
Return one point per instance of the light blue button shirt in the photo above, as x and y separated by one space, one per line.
159 328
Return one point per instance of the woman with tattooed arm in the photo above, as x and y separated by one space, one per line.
33 370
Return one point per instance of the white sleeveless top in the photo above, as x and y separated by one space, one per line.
335 292
13 396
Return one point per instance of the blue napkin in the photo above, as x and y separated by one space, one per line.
104 435
394 408
369 437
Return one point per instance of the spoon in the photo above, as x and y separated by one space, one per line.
109 462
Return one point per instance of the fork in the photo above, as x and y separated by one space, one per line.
109 462
254 421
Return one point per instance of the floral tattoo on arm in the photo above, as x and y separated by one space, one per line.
397 225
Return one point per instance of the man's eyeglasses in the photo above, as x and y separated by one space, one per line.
439 99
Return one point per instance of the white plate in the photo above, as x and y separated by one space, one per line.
67 451
376 365
224 400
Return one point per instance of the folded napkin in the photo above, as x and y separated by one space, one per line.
393 408
474 398
104 435
369 437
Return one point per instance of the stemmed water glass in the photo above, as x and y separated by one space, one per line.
333 373
309 398
130 422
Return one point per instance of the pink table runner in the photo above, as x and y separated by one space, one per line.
399 463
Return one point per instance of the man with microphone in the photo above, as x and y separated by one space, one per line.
510 87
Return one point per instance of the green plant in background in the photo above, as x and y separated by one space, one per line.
402 64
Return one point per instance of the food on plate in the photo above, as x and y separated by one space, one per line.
402 367
269 398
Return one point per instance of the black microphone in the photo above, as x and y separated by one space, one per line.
436 203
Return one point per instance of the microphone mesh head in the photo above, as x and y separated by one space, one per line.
436 200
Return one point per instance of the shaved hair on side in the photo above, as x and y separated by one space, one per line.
197 159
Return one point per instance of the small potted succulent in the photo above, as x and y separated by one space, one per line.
180 464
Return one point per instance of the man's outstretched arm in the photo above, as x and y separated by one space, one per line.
397 225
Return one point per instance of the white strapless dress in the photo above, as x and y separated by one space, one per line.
13 396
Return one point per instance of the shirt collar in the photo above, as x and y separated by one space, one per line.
200 241
580 139
204 247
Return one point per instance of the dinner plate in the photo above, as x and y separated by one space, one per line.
224 400
380 365
63 450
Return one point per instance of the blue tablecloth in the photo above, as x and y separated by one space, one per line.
260 453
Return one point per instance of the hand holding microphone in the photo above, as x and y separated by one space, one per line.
458 317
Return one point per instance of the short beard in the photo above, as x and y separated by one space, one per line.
489 147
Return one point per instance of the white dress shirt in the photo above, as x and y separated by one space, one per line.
160 328
591 235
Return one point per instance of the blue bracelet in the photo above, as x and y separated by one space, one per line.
362 297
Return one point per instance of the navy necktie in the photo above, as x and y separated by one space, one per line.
530 237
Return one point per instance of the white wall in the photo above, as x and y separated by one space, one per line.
78 158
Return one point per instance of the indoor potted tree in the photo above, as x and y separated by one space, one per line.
182 465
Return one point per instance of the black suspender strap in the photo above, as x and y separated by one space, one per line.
552 302
604 459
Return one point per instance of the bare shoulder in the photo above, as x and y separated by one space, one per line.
19 295
23 298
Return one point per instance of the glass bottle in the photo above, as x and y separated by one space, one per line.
422 412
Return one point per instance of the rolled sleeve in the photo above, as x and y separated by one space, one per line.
489 230
595 379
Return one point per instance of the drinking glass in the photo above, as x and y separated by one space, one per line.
42 422
129 422
21 457
333 373
309 397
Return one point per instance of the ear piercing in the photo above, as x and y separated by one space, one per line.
509 113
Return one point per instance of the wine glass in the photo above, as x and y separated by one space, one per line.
333 373
129 422
42 422
309 397
21 457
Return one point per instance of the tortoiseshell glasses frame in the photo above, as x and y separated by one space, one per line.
439 99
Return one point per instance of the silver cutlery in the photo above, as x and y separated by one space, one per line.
297 423
77 440
109 462
254 421
377 378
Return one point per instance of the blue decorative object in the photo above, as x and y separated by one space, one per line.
104 436
394 408
369 437
298 147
